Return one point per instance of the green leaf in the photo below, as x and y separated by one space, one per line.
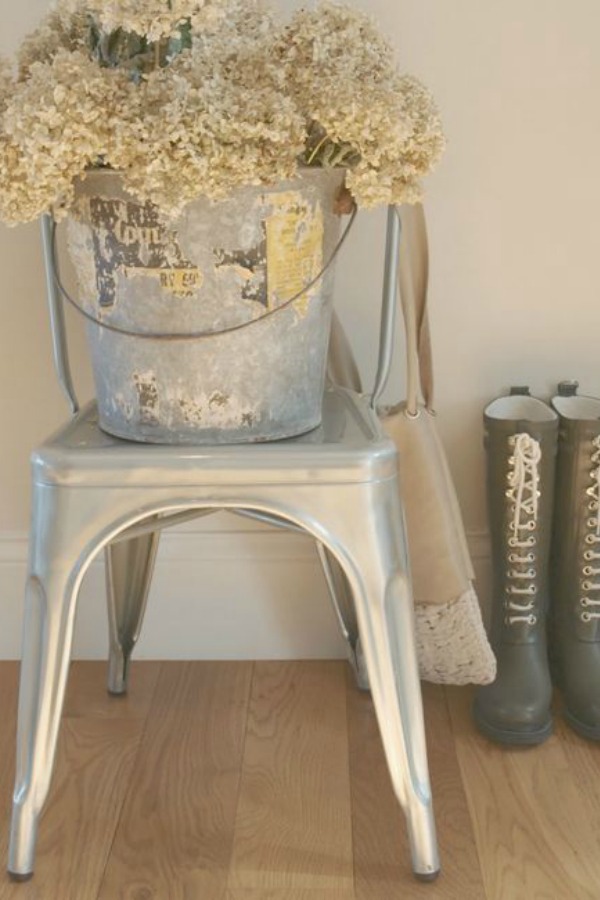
183 41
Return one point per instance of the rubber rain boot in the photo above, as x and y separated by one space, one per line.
520 438
574 625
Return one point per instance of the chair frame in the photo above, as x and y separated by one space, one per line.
366 567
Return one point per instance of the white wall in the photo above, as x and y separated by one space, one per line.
513 230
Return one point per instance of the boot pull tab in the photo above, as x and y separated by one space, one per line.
567 388
521 390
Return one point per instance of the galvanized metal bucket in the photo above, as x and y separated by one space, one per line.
210 345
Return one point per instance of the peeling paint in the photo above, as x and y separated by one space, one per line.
190 410
147 391
218 409
218 399
250 266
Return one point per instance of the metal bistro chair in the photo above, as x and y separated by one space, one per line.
92 492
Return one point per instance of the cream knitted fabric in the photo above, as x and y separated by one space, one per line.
451 642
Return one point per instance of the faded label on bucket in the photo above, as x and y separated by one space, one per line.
180 282
294 248
129 237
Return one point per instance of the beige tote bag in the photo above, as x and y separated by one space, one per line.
451 640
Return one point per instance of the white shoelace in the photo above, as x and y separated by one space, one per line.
523 480
591 538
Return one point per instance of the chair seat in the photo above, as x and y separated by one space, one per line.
348 447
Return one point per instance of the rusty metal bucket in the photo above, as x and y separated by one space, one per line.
212 329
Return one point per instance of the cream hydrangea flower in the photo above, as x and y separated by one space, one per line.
213 120
241 100
57 31
6 82
171 152
53 128
341 72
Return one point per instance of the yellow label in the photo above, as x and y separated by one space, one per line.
180 282
294 249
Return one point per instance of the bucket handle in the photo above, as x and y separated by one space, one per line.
194 335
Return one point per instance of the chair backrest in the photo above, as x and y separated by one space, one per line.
57 314
388 303
59 334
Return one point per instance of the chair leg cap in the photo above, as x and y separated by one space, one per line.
19 876
427 876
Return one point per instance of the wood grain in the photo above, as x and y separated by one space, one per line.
88 697
207 782
9 683
583 759
291 894
293 827
93 768
533 836
175 837
381 853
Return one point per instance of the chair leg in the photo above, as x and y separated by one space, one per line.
340 593
48 633
365 525
129 570
386 624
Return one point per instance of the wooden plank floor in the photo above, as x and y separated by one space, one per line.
266 781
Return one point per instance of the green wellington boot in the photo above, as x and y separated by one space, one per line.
521 436
574 622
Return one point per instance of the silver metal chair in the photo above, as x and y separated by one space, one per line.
92 492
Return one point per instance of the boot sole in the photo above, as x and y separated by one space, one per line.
590 732
512 738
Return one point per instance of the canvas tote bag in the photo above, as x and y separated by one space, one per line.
451 641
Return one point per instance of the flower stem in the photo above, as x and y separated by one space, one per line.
316 150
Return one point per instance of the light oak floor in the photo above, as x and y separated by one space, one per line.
266 781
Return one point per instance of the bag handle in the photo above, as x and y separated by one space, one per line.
413 277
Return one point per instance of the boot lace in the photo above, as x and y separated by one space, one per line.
592 538
523 492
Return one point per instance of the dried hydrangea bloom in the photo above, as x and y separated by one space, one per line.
238 101
56 124
342 74
334 37
397 133
55 32
154 19
6 82
184 133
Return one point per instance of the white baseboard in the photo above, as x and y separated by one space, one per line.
220 591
